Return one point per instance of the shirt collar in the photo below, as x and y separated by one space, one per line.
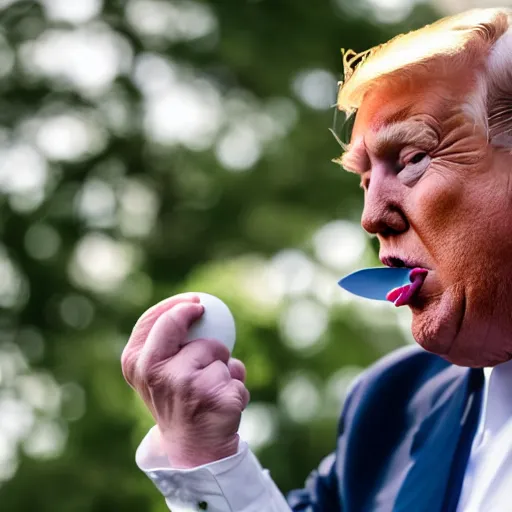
496 403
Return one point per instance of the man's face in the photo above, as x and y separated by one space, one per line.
439 197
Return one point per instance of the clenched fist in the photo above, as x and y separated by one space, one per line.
195 391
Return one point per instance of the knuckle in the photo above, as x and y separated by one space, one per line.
223 352
237 369
217 350
246 398
161 307
182 313
242 393
220 371
204 352
147 372
128 364
172 307
239 386
237 363
167 327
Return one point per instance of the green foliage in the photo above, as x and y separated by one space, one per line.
105 211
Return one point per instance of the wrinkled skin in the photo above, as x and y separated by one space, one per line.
194 391
439 196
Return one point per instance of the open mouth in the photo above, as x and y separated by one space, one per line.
403 295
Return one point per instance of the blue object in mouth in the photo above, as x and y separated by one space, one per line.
375 283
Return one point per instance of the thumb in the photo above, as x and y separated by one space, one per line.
146 322
169 332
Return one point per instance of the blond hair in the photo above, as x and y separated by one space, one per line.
480 38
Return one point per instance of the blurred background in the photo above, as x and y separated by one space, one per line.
151 147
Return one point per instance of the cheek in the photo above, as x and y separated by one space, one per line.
451 219
464 222
435 199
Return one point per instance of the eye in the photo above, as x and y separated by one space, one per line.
412 164
417 158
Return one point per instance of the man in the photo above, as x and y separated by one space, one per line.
432 144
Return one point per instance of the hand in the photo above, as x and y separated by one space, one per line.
195 391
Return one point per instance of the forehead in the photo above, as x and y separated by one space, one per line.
396 101
376 119
383 107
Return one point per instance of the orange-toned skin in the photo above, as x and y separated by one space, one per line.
448 211
451 213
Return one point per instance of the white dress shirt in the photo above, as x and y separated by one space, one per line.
239 484
488 480
235 484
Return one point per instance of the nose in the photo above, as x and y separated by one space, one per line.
382 213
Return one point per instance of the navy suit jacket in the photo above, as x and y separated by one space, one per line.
404 438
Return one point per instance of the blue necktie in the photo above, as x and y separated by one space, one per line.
463 451
441 449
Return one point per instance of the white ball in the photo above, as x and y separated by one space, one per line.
216 323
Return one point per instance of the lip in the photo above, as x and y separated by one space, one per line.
404 295
394 261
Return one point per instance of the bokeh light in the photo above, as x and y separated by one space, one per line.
152 147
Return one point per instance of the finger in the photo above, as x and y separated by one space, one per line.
128 363
168 333
146 322
141 331
198 354
214 375
237 369
240 393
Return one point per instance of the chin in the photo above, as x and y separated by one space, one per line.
463 335
437 322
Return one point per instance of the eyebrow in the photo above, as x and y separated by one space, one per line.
356 159
415 132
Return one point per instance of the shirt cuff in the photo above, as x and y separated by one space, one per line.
236 483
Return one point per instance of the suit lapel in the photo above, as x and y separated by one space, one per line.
435 443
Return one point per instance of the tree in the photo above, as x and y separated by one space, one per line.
150 147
